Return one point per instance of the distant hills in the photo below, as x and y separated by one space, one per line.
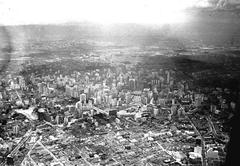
205 26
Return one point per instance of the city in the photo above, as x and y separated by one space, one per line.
71 97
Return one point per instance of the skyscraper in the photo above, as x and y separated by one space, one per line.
168 76
128 97
83 98
132 83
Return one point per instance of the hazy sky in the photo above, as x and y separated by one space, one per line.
14 12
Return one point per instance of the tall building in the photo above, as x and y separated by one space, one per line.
168 76
128 97
137 99
132 84
171 83
120 78
40 88
114 102
119 85
90 103
71 88
79 108
98 99
75 91
83 98
144 99
86 79
156 81
22 83
45 89
149 96
67 89
79 105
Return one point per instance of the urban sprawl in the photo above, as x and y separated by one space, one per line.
111 114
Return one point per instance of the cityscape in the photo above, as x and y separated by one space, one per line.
78 95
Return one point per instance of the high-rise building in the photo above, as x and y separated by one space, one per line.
128 97
171 83
71 88
79 105
86 79
149 95
40 88
79 108
16 129
99 99
119 85
144 99
168 76
67 89
22 83
90 103
75 91
45 89
83 98
137 99
118 102
121 78
132 84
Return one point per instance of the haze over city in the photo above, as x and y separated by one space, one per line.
119 82
14 12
